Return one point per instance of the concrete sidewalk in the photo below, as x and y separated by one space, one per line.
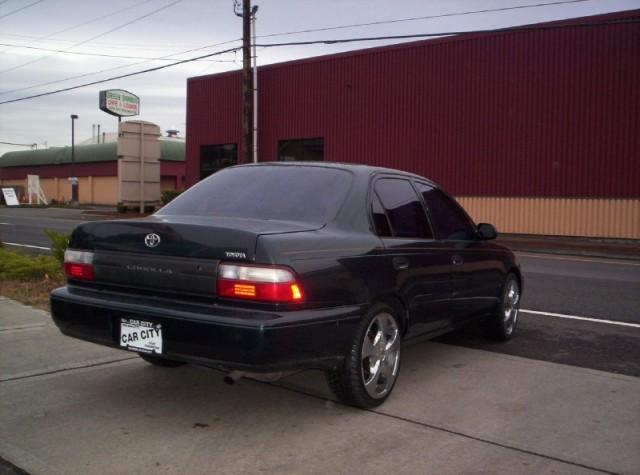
71 407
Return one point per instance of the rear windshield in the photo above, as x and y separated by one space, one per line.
291 193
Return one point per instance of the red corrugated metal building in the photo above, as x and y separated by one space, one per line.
536 130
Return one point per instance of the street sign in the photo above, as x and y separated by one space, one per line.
10 197
119 102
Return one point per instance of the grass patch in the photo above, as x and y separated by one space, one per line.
29 279
31 292
15 265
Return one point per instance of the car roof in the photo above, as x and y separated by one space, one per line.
356 169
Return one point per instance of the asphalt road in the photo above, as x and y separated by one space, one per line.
573 287
27 226
593 288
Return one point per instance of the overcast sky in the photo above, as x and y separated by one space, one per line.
184 25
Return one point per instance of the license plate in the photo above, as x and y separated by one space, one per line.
141 336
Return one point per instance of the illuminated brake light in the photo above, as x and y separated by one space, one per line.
78 265
266 284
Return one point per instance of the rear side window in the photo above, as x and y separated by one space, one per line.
448 219
291 193
380 220
404 209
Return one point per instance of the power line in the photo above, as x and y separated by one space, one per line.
337 41
101 17
284 34
157 68
111 45
448 33
134 20
78 76
312 30
20 9
38 39
428 17
82 53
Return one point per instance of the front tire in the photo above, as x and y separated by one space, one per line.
502 325
157 361
370 369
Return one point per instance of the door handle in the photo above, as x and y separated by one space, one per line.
457 260
400 263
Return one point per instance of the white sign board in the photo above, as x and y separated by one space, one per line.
119 102
10 197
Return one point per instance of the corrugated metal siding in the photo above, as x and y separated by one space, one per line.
214 116
531 113
612 218
83 169
50 171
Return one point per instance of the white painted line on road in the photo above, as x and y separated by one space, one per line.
578 259
587 319
27 245
7 224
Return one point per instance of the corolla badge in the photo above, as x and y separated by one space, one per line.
152 240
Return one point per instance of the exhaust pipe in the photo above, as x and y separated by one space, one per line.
233 376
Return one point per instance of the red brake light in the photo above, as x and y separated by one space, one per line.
78 265
258 283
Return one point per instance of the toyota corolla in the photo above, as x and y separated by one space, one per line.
265 269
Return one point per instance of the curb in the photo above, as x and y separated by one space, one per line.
562 252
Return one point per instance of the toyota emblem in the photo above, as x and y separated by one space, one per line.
152 240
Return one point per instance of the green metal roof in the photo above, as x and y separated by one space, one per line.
104 152
172 150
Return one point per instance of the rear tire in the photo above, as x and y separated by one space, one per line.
370 369
157 361
502 325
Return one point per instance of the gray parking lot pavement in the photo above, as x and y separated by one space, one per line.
72 407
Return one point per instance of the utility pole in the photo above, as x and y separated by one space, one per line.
244 12
254 68
74 178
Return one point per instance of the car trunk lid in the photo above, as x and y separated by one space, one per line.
172 254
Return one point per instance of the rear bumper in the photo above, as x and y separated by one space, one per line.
214 335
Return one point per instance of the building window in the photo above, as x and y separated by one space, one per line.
217 157
301 150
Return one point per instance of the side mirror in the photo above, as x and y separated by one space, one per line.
487 231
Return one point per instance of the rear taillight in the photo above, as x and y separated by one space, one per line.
259 283
78 265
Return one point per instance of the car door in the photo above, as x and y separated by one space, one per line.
422 265
476 272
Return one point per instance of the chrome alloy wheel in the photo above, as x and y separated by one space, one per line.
380 356
510 307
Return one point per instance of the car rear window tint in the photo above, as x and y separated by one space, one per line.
450 221
380 220
291 193
404 209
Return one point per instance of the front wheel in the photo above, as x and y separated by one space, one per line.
502 325
371 367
